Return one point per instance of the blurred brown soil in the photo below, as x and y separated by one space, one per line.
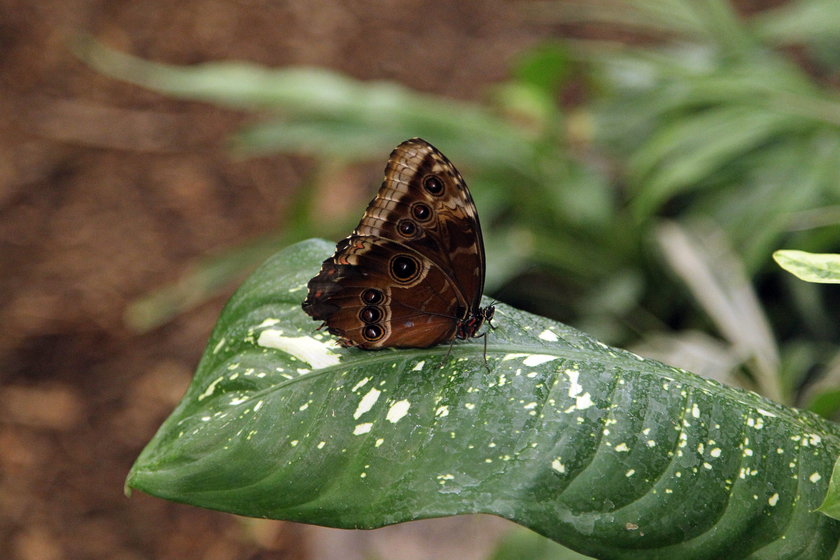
108 191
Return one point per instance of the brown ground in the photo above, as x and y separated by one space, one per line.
108 191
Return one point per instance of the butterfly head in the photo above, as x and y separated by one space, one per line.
488 313
469 326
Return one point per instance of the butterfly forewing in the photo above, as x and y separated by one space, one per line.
412 272
424 203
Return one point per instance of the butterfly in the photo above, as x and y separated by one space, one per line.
411 274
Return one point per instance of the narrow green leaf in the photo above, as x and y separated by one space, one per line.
326 111
689 150
647 16
204 278
797 22
812 267
605 452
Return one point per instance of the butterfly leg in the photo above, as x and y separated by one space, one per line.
448 353
484 336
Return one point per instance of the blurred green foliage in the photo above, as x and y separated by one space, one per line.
521 543
645 214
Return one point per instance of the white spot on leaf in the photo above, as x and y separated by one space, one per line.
305 348
360 384
362 428
583 402
397 411
367 402
574 387
210 388
537 359
513 356
548 336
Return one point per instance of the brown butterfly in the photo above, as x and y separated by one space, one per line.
411 274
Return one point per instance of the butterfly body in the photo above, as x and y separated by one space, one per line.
412 272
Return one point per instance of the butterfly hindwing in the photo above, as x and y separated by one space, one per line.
375 293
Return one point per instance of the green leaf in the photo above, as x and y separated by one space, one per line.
826 403
831 504
812 267
545 66
605 452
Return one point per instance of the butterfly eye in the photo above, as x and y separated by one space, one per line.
407 228
421 211
404 268
372 296
370 314
433 185
372 332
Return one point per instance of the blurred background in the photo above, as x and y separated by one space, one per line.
635 165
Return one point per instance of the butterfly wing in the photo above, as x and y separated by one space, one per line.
413 267
375 293
424 204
